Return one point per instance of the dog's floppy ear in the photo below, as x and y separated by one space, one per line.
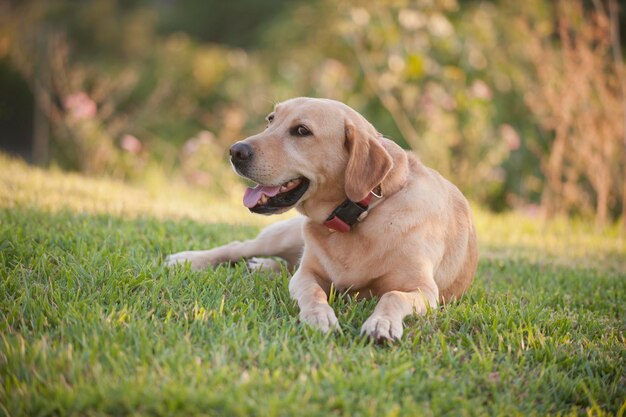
368 161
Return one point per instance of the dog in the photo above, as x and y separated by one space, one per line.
374 221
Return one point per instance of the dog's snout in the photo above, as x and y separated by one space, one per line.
241 152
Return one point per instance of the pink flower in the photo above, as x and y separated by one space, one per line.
80 106
510 136
131 144
480 90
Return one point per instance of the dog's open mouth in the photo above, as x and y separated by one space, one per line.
265 199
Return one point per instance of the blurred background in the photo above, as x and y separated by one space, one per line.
522 104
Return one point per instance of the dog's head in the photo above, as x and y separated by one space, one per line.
313 150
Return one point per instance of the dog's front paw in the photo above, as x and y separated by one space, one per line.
321 317
263 265
382 328
195 260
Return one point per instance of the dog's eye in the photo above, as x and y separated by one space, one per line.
300 130
270 118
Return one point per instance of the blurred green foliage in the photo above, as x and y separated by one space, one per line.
447 78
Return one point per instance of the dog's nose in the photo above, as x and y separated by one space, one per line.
241 152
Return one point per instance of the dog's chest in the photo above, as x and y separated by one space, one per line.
348 262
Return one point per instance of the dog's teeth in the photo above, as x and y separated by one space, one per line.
290 185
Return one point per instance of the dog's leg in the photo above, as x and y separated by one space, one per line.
385 323
312 297
282 239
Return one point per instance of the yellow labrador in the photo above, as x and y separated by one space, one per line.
375 220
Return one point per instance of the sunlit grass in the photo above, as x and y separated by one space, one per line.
92 323
161 198
562 241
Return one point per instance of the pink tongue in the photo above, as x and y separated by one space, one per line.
253 195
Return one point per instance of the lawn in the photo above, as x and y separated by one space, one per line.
92 323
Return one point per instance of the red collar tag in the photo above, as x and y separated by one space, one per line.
345 215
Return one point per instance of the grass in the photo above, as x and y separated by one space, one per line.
91 323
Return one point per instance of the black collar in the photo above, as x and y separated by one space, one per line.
346 214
